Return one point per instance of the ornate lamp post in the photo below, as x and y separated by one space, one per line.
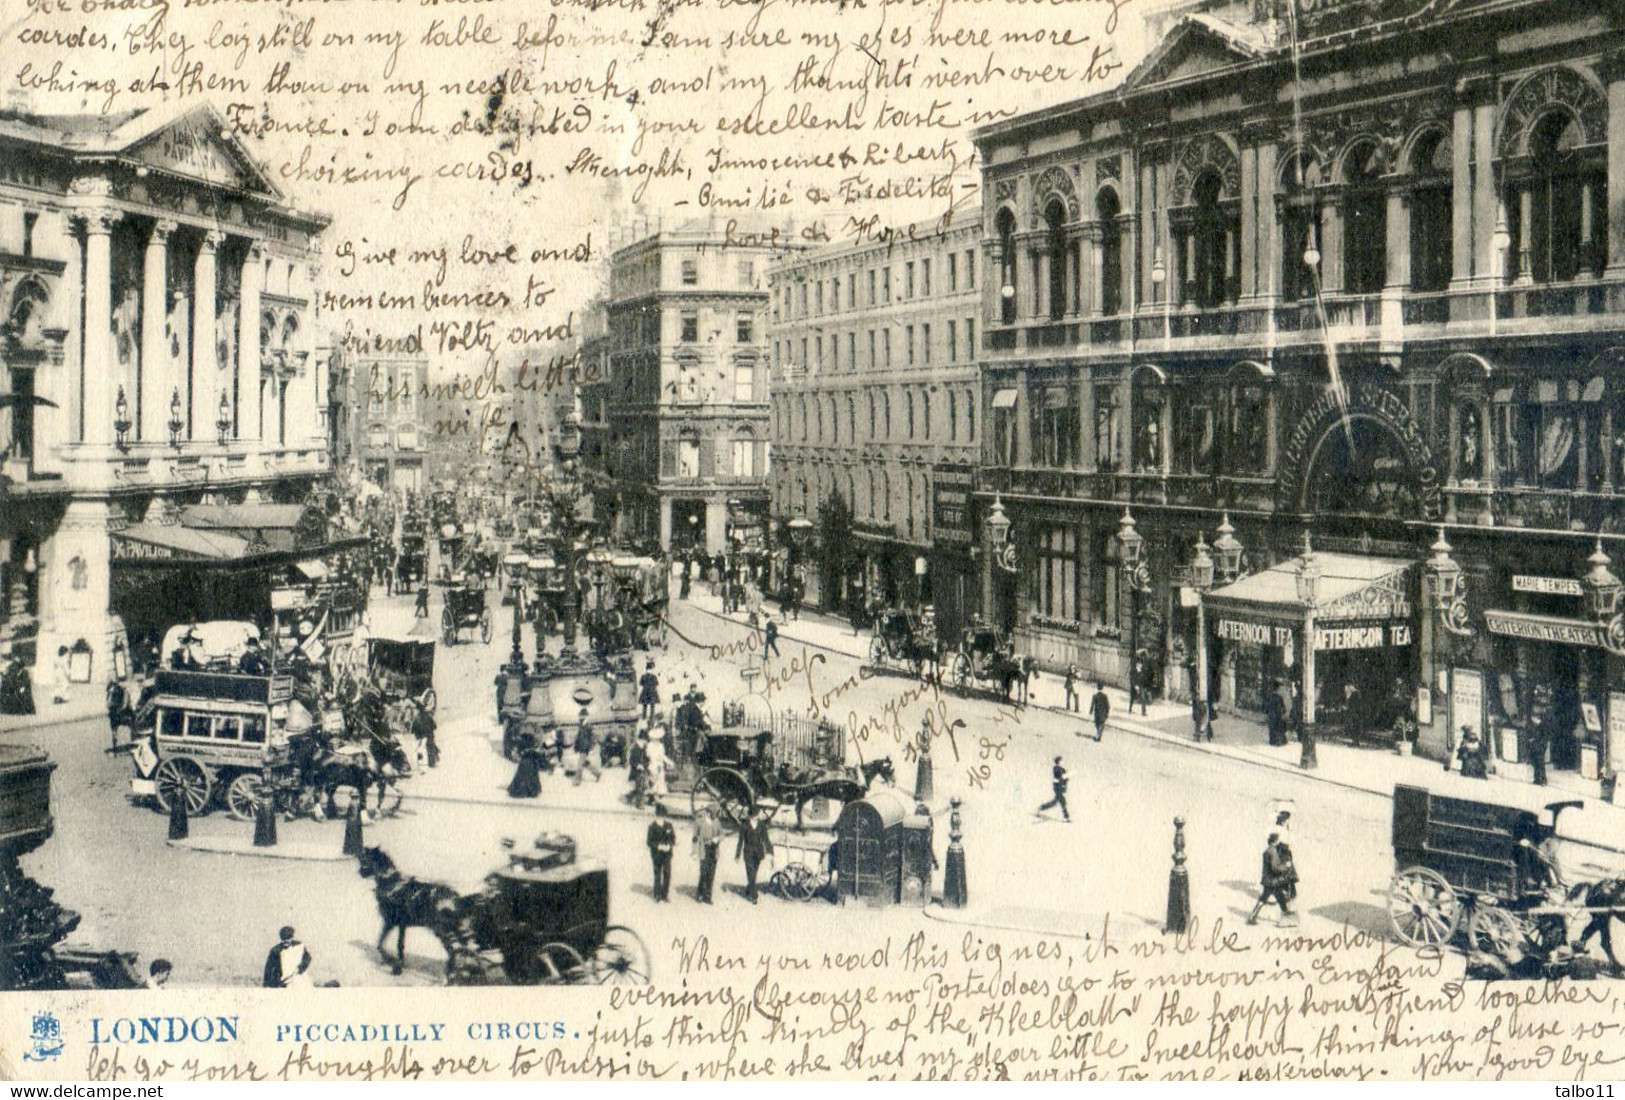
1132 545
1202 581
1308 581
121 421
1603 591
176 423
1444 588
998 535
800 528
1228 553
222 422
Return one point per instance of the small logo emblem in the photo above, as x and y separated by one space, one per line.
45 1035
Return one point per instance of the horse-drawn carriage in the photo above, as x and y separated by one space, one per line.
985 660
738 768
542 920
625 609
402 669
904 641
1491 871
464 609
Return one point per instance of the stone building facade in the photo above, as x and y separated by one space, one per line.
1358 275
875 397
158 356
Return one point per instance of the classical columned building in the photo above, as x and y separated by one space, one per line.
875 398
1353 279
157 354
678 426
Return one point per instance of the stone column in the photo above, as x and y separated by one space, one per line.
1398 273
1331 246
1268 262
1145 233
1614 73
156 381
1041 296
1526 217
1484 197
250 413
1249 223
96 378
204 397
1461 195
1022 414
665 522
1096 295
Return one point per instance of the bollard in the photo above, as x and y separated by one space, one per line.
178 827
265 819
924 788
352 830
954 887
1179 885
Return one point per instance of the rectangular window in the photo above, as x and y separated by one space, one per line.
908 341
953 341
1055 586
908 279
745 329
691 272
925 277
819 297
747 274
171 722
970 269
925 344
835 293
871 286
1055 427
852 351
744 382
852 291
885 344
818 353
744 458
688 458
871 349
691 327
688 387
885 285
1105 578
199 725
1108 428
970 338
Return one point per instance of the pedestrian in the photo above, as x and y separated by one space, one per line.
252 662
648 692
658 762
423 728
527 777
686 581
755 845
59 675
1472 754
421 611
1100 709
1071 684
1538 744
585 744
1275 713
770 639
707 839
158 974
1278 880
119 711
16 687
661 840
287 962
1058 782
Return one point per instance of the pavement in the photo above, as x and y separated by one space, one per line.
1599 825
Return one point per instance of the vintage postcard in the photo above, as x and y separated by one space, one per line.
911 539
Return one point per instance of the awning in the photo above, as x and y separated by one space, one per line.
1005 399
173 542
1351 587
312 569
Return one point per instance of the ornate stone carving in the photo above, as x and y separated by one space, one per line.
213 239
1200 155
1387 125
1004 191
92 186
163 227
1108 170
1055 182
101 221
1552 89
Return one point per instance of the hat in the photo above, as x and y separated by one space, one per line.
650 664
1057 759
1274 837
191 635
285 933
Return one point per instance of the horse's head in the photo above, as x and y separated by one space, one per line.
374 862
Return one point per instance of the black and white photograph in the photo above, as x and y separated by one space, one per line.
907 539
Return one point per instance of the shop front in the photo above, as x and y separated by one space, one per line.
1335 631
951 582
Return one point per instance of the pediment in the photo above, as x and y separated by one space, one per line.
1191 49
196 145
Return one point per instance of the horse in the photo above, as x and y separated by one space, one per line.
1607 899
1014 674
411 903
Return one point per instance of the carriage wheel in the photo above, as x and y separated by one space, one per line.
1495 932
877 651
728 791
797 882
961 671
244 795
621 959
185 780
467 967
485 626
663 634
1422 907
559 964
448 626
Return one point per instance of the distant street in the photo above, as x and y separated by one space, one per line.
215 915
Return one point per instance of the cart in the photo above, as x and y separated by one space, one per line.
464 609
739 768
216 735
1489 870
902 642
984 660
402 669
544 920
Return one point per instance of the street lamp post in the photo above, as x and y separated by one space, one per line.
1202 581
1444 594
1132 544
1308 581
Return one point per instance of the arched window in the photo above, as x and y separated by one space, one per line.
1150 410
1055 248
1365 222
1107 210
1431 228
1299 207
801 413
1212 240
1005 226
885 497
1246 426
1560 217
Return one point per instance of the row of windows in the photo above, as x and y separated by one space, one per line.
1066 582
1542 433
689 388
743 456
744 326
915 345
870 493
815 297
215 727
744 276
820 420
